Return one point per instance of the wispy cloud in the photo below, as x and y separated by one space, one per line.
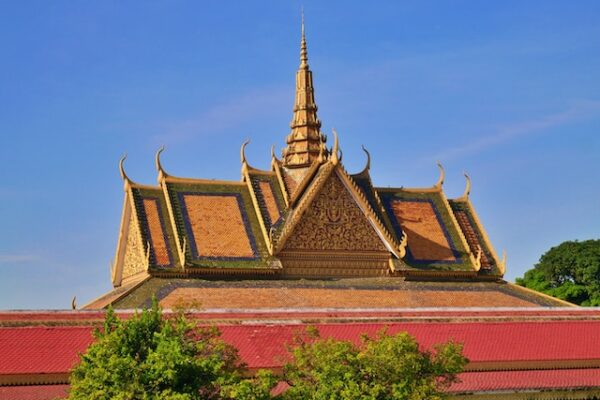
507 133
227 115
17 258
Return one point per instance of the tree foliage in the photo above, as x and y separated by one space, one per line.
385 367
569 271
149 357
153 357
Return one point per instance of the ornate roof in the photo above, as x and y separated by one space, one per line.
305 217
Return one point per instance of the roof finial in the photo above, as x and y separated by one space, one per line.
161 172
304 141
440 181
335 159
303 50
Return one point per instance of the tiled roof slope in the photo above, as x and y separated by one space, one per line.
365 184
217 224
340 293
533 350
435 242
156 230
473 232
269 196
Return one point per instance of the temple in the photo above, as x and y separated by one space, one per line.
307 243
306 226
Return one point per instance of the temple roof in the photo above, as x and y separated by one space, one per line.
366 293
306 217
512 352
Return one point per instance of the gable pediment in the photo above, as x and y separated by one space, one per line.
334 222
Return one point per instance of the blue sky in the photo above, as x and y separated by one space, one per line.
508 91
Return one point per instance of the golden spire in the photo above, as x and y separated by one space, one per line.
305 142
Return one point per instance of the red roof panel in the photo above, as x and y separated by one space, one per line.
263 346
532 379
54 349
35 392
41 349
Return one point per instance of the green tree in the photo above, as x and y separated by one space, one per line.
569 271
150 357
385 367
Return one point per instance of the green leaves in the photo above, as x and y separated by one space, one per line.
152 357
385 367
569 271
149 357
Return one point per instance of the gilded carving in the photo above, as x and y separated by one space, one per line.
334 222
135 260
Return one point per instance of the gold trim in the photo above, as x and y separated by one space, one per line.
176 236
486 239
117 269
276 167
526 289
295 215
393 246
174 179
142 276
472 257
304 183
255 204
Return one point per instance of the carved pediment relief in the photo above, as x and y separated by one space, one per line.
334 222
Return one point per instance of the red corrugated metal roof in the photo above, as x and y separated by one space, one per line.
41 349
260 345
54 349
75 317
536 379
35 392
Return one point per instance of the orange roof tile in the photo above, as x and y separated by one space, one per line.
342 298
427 240
217 226
157 232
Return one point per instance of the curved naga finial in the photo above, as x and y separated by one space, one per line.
271 244
440 181
273 156
124 176
243 152
502 265
478 259
336 146
467 191
74 303
368 166
403 243
159 168
245 166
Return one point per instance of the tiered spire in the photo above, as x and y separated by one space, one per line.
305 143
